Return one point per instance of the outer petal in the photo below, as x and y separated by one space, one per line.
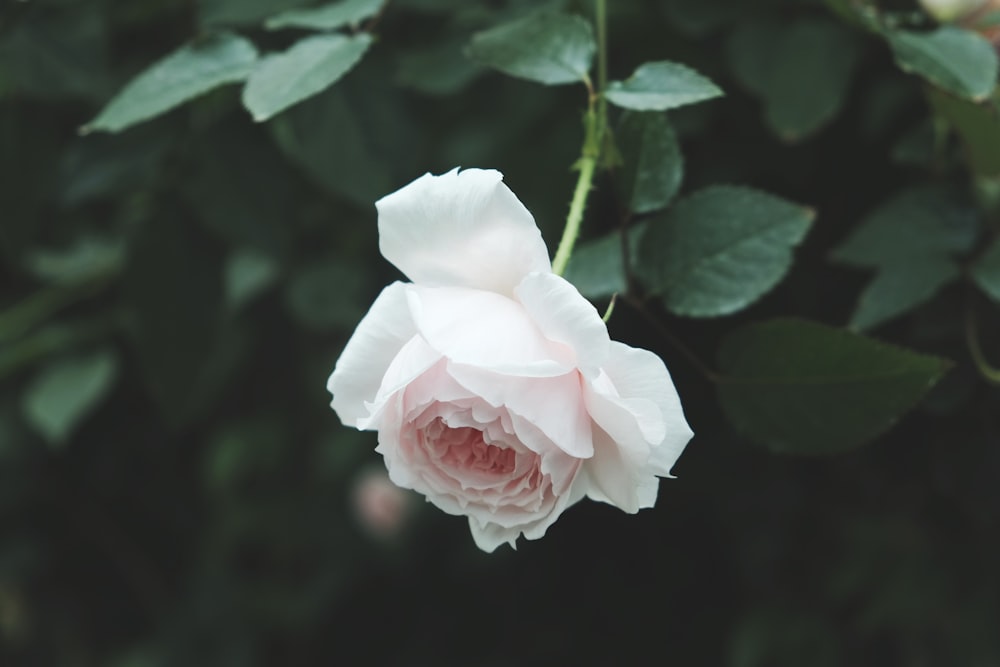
461 229
639 373
616 475
380 335
564 316
486 330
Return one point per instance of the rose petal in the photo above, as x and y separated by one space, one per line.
554 405
613 476
485 330
639 373
379 337
414 359
461 229
564 316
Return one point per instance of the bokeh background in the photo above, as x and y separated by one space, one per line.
183 289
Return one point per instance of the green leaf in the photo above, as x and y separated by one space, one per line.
804 388
719 250
659 86
213 13
326 17
653 164
910 226
326 297
308 133
190 71
899 288
310 66
87 258
959 61
986 271
549 48
248 273
597 269
801 71
66 391
977 125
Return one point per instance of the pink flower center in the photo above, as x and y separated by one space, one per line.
465 448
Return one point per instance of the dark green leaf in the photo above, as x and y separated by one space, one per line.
439 69
190 71
242 12
801 71
66 391
659 86
911 225
326 297
978 126
326 17
653 165
307 68
805 388
548 48
721 249
87 258
898 288
596 267
959 61
986 271
326 136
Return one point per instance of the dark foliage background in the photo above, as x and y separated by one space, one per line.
203 271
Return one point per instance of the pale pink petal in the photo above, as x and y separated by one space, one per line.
564 316
362 365
463 228
485 330
412 361
638 373
488 536
554 405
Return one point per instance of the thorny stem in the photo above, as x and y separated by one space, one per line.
595 122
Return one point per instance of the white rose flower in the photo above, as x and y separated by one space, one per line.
493 385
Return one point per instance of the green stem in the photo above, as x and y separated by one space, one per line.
587 165
987 370
595 122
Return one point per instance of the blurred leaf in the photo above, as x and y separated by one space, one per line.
190 71
66 391
720 249
659 86
549 48
172 288
959 61
917 146
248 273
801 71
653 164
325 136
100 166
771 635
242 190
87 258
326 297
804 388
439 69
699 18
57 53
310 66
242 12
911 225
898 288
978 126
986 271
326 17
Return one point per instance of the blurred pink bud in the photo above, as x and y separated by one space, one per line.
380 506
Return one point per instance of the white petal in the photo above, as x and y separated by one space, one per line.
490 535
638 373
381 334
461 229
564 316
554 405
414 359
486 330
615 477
